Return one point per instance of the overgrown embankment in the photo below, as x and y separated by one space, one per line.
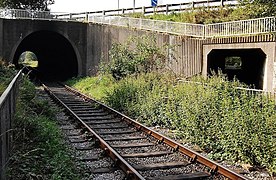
40 151
228 123
204 15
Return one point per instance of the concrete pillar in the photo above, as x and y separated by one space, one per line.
1 39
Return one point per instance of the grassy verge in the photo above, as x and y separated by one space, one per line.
97 87
40 151
204 15
227 123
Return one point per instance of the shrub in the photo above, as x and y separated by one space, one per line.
137 55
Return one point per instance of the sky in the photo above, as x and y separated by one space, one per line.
95 5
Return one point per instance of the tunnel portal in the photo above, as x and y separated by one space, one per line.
247 65
57 59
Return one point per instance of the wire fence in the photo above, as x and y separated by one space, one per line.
249 91
234 28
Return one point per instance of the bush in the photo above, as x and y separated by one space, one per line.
137 55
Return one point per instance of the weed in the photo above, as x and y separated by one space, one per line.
137 55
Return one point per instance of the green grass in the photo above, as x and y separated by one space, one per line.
96 87
227 123
205 15
40 151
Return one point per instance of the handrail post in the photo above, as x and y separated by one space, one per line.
86 17
222 3
167 9
143 10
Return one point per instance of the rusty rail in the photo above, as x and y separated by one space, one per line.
7 111
125 166
195 157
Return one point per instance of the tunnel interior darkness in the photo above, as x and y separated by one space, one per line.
57 59
248 65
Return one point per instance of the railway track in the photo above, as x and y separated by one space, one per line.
138 151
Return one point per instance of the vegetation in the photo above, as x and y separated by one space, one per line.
29 59
260 8
6 75
225 122
137 55
247 9
96 87
228 123
26 4
40 152
199 16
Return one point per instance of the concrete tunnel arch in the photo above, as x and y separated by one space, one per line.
57 58
258 62
251 68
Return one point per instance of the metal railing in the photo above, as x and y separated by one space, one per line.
167 8
7 111
249 91
25 14
196 30
234 28
243 27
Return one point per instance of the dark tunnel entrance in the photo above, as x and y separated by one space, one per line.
56 57
247 65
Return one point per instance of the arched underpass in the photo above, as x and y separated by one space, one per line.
247 65
57 59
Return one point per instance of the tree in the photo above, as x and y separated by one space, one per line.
260 8
26 4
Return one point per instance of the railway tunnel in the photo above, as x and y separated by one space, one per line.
56 57
246 65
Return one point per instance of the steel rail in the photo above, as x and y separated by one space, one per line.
119 160
195 157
